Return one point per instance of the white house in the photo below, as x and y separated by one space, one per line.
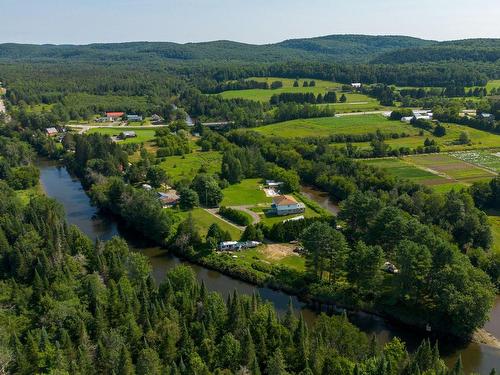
407 119
356 85
286 205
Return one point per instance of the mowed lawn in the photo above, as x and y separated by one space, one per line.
187 166
247 192
143 135
326 126
494 218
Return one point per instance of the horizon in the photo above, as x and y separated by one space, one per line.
77 22
246 43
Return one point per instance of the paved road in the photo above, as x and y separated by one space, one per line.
82 128
255 216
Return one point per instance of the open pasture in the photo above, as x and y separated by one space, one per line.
186 167
325 126
204 219
143 135
354 102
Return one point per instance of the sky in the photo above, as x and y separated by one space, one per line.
249 21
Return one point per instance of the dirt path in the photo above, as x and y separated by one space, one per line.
84 128
213 212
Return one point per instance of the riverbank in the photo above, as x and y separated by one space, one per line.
58 184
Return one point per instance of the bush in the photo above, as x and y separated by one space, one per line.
235 216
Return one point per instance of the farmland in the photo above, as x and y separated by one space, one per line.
364 124
486 159
442 172
325 126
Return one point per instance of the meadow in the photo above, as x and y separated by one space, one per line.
364 124
355 102
186 167
325 126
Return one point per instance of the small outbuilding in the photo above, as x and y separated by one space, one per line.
51 132
127 134
134 118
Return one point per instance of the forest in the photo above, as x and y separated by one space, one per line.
68 305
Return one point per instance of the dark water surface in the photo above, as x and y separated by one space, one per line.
68 191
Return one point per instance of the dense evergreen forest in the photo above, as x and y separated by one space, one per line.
70 306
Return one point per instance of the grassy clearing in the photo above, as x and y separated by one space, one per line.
204 219
281 254
247 192
143 135
187 166
325 126
264 96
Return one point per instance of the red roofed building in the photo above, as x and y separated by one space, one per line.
114 116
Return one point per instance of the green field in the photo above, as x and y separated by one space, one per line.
143 135
355 102
204 219
398 167
247 192
451 168
325 126
364 124
494 218
186 167
263 95
441 172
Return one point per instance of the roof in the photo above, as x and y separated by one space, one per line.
284 200
115 114
51 130
129 132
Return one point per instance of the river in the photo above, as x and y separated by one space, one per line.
58 184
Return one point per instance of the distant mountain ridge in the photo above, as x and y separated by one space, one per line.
331 48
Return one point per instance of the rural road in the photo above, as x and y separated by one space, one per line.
360 113
246 209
